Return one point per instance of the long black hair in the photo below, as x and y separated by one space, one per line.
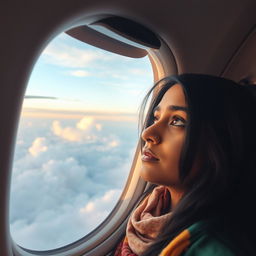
221 137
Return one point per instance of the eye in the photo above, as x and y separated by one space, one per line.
155 118
178 121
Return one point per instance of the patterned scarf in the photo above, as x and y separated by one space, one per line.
145 223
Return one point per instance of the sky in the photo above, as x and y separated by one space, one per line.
77 76
76 140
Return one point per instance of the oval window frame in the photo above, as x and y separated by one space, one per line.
100 240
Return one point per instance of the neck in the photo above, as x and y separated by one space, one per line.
176 195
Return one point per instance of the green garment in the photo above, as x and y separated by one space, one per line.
201 239
207 244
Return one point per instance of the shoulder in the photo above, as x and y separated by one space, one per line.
208 245
198 240
208 240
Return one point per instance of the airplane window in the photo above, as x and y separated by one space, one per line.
76 140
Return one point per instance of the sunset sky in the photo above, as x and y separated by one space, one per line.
71 75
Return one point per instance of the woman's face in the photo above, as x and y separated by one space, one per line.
164 140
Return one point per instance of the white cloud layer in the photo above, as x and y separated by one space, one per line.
54 225
63 183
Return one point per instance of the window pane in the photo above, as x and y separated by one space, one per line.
76 140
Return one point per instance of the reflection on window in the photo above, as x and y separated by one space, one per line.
76 140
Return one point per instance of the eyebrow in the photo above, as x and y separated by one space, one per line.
172 107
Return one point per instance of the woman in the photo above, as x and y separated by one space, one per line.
199 148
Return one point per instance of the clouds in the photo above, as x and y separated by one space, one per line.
78 133
96 210
38 146
79 73
65 55
82 60
67 133
60 184
39 97
54 225
85 123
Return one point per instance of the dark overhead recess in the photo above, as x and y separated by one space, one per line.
126 28
130 30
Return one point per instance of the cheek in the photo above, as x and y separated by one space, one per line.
172 148
172 153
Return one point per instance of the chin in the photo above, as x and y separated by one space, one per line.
148 176
145 175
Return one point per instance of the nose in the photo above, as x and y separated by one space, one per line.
150 135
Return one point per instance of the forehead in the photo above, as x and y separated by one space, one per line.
173 96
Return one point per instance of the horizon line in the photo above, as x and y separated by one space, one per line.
75 114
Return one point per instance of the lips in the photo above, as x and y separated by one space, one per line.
148 156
